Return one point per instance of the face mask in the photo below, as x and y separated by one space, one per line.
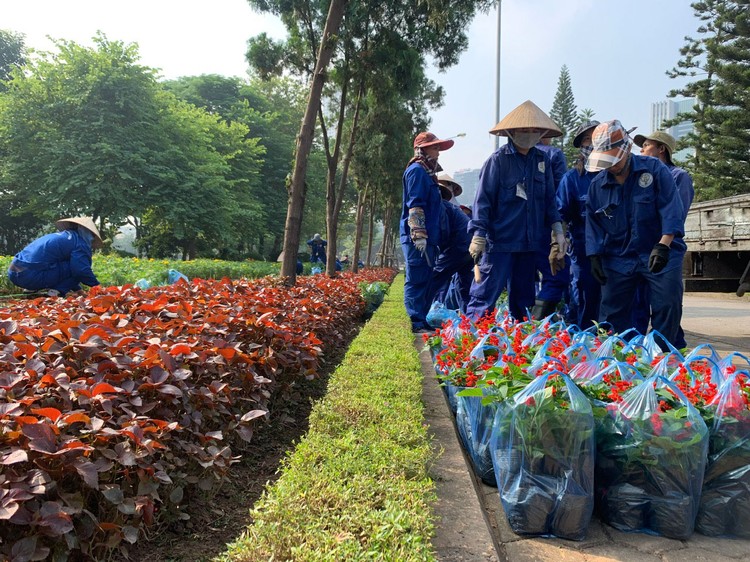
86 234
525 140
586 151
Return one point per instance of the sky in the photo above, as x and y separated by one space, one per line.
617 53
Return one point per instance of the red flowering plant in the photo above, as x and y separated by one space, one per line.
726 482
651 454
542 447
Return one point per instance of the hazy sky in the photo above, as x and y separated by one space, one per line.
617 52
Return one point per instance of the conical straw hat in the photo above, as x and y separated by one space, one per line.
526 115
85 222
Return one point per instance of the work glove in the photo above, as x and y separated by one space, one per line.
658 258
558 249
477 246
597 271
421 244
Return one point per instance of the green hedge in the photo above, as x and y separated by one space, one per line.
114 270
356 487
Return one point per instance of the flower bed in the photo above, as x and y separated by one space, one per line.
660 418
116 406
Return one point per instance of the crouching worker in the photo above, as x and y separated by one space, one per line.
60 261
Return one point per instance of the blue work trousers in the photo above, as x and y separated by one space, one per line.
55 276
666 299
418 275
448 264
554 288
642 313
585 293
503 270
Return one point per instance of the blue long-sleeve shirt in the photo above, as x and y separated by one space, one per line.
624 222
422 190
558 162
515 206
571 202
60 247
685 190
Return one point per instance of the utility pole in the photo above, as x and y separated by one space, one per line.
497 79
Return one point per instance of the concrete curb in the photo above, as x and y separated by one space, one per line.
461 533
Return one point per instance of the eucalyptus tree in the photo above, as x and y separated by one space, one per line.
435 29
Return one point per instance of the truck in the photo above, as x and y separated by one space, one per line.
717 234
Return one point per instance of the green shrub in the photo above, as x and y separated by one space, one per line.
356 487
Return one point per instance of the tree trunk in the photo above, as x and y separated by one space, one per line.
293 224
371 227
333 215
386 233
359 225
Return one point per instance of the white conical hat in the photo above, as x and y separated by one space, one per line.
525 116
85 222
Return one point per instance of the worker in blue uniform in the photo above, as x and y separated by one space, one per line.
513 212
554 286
317 249
634 230
454 258
662 145
58 262
585 291
423 225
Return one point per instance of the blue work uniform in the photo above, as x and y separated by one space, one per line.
420 189
514 209
642 300
553 287
59 261
623 223
454 258
585 291
317 250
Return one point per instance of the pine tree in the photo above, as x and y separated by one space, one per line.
564 114
719 60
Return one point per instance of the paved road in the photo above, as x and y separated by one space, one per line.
721 319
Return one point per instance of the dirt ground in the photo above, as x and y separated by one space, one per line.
221 518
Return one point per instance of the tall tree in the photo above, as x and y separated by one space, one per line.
436 28
12 54
90 131
564 113
716 61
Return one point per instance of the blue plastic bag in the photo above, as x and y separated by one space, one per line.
173 276
543 451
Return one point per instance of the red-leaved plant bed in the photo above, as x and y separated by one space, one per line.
117 405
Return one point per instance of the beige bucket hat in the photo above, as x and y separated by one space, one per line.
85 222
526 116
659 136
445 180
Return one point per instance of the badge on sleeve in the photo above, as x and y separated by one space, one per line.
540 166
645 180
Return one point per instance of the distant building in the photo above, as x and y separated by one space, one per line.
469 181
666 110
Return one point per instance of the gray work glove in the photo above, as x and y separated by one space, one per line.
477 246
421 244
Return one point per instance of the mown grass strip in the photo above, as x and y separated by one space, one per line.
356 487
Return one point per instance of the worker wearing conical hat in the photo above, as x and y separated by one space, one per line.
58 262
513 213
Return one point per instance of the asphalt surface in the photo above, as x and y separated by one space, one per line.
471 524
